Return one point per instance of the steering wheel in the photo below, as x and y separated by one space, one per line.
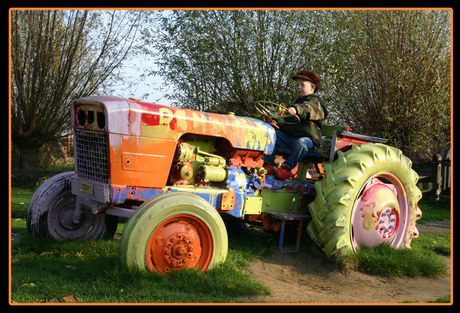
274 111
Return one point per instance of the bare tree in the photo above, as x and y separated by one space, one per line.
57 56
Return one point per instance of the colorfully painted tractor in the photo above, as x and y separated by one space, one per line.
177 174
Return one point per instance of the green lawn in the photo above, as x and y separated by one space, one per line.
423 259
20 198
434 210
46 270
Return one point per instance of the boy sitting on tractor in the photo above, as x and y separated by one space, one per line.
310 112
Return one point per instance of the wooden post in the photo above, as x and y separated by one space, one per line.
437 175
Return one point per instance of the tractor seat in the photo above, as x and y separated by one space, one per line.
311 152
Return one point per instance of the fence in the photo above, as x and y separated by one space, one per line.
436 179
34 173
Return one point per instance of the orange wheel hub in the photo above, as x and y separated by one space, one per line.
178 242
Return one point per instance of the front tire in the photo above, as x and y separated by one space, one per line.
51 211
368 197
174 231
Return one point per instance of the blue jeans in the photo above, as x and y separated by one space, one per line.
298 145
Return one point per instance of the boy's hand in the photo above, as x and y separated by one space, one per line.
292 111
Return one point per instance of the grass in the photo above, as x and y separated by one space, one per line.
389 262
438 300
423 259
438 243
434 210
46 270
90 271
20 198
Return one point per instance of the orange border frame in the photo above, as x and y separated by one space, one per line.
225 8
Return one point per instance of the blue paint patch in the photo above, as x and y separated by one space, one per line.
209 194
270 147
238 183
118 195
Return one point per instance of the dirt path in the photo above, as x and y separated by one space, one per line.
308 278
303 278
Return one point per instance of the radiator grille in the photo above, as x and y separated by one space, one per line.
91 157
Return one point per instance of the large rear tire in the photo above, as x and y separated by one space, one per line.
368 197
174 231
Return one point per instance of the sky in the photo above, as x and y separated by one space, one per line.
146 89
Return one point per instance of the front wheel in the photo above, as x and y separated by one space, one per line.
368 197
174 231
51 212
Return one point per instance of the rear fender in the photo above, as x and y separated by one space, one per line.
344 141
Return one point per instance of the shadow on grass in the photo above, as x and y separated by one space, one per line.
44 270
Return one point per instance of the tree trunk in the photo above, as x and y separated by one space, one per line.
29 159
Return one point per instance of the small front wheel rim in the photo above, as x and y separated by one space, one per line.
180 241
62 225
380 212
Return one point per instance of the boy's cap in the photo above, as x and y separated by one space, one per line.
311 76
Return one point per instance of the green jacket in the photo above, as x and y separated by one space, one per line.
312 113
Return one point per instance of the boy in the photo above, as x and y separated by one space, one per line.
307 133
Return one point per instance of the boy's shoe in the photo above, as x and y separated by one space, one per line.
283 173
270 169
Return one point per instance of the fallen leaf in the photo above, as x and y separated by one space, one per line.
44 254
78 254
58 255
71 298
28 285
72 267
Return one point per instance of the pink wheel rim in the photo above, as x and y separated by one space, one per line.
380 212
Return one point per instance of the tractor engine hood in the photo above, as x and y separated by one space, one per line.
143 119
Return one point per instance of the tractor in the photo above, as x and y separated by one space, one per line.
177 174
